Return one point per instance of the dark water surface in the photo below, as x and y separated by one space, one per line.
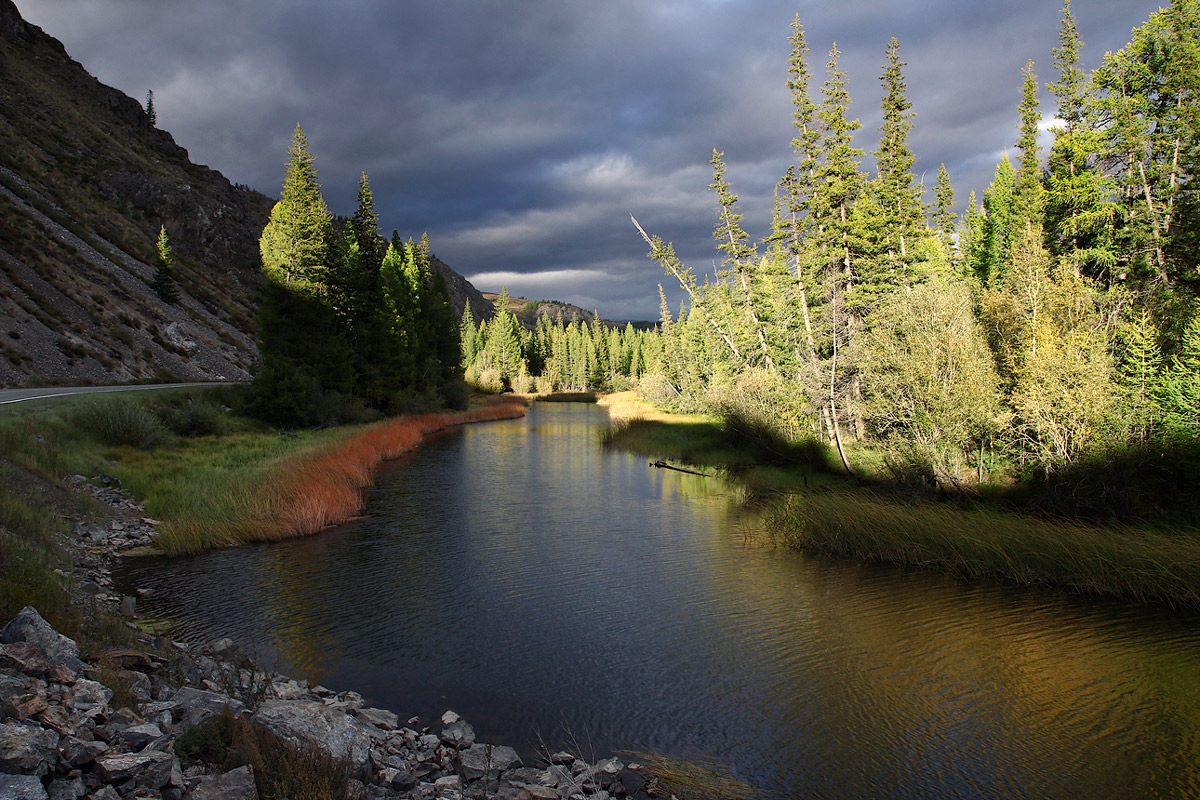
557 595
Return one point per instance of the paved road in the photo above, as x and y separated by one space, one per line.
20 395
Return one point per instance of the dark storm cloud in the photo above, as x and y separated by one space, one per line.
521 135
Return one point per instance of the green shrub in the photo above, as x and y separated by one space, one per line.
122 423
762 410
457 394
196 418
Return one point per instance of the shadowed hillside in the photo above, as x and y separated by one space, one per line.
86 183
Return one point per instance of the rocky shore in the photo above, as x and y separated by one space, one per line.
64 736
139 721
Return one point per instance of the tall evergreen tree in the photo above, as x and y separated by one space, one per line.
899 198
1028 190
297 242
944 217
1079 197
305 357
164 284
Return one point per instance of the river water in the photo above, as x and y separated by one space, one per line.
558 595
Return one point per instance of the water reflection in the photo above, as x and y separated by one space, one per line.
550 591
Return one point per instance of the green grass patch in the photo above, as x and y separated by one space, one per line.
33 571
1139 564
208 491
702 442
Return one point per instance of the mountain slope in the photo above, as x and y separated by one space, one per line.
86 181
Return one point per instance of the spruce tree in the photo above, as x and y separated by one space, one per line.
943 212
297 242
307 367
899 199
1028 190
151 114
164 284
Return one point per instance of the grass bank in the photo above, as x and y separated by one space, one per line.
256 491
705 441
211 477
813 508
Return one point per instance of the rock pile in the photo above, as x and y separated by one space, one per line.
62 737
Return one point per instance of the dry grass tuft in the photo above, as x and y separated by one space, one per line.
694 779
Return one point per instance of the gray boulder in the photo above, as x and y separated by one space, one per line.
193 706
380 718
151 769
66 789
236 784
91 694
21 787
27 748
138 736
28 626
312 724
458 734
480 759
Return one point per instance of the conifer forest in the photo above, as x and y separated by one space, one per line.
1051 330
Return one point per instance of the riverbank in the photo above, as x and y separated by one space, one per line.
158 720
811 508
126 713
296 494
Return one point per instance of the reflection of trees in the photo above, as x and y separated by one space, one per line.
297 621
941 688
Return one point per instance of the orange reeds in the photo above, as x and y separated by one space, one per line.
316 490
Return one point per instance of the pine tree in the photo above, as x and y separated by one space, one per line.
297 242
1141 374
151 114
306 361
1079 197
356 292
1001 224
1028 190
164 284
943 212
466 333
899 199
1147 95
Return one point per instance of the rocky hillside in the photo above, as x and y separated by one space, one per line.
86 181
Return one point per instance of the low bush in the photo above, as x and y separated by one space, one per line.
196 418
121 422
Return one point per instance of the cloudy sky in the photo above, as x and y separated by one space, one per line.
521 134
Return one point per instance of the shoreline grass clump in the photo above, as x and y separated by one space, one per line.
1140 564
697 778
293 493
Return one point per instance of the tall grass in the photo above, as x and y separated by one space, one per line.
293 493
33 569
1145 565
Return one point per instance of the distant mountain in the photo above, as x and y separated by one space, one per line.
86 181
527 311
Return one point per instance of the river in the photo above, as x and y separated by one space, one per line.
559 595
